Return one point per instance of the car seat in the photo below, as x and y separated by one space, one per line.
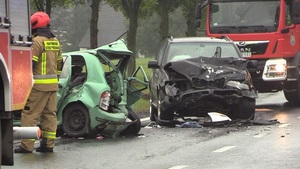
76 70
77 77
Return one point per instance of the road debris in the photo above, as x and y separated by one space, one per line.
152 124
190 124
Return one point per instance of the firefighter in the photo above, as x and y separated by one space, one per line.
41 104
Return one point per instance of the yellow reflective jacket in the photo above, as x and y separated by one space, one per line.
47 59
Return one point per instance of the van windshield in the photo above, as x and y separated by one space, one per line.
244 16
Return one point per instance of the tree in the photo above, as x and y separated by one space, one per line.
46 5
149 38
64 20
70 25
164 8
131 10
188 8
94 23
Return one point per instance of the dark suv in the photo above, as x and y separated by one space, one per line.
197 75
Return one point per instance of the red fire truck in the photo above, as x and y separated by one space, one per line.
265 30
15 69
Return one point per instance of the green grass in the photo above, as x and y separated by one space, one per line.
143 104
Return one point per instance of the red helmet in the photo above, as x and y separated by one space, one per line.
39 19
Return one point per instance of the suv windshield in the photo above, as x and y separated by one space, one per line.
185 50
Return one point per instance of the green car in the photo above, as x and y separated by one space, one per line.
95 95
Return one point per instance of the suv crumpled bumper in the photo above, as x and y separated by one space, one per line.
205 100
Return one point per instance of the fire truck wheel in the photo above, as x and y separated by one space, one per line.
76 120
0 144
293 96
292 88
290 96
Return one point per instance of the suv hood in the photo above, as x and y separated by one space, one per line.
209 68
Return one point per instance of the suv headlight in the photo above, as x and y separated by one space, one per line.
238 85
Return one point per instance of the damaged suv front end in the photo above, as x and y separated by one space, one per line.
192 83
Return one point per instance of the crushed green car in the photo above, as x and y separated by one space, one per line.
95 94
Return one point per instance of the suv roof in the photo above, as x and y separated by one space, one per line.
200 39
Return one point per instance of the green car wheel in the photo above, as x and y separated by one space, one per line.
76 120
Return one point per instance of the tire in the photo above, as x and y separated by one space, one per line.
292 92
293 96
76 120
1 144
165 117
134 128
152 110
246 109
290 96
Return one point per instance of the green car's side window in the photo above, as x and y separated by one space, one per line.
66 67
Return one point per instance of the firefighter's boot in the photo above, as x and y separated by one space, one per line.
43 148
21 150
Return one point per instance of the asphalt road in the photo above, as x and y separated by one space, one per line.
233 146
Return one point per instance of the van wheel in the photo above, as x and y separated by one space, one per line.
293 96
0 144
76 120
292 88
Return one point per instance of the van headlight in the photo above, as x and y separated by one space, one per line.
275 70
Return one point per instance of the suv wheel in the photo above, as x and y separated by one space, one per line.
165 117
153 110
246 109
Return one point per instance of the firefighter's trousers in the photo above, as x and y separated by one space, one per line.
40 106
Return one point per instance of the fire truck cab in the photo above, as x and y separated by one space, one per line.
15 69
265 30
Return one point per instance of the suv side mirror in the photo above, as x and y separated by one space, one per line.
153 64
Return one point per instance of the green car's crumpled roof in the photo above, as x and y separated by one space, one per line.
112 50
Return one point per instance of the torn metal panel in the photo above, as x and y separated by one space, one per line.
215 70
218 117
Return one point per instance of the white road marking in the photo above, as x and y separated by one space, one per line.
283 125
179 167
223 149
298 117
145 119
259 135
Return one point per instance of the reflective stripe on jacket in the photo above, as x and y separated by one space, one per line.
48 63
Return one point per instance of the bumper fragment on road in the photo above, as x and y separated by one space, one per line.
223 149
